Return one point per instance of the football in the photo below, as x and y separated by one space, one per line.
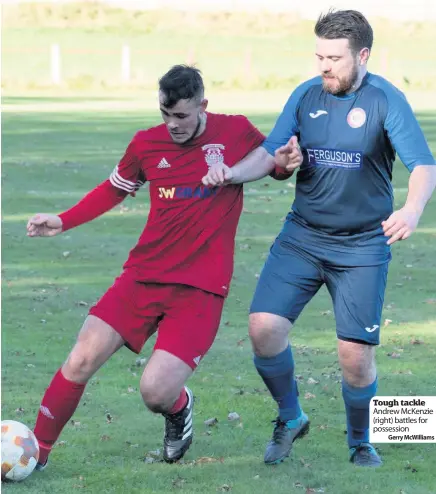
20 450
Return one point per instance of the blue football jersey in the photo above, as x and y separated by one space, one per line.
349 144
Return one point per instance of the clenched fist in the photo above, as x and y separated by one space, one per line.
217 175
289 156
44 225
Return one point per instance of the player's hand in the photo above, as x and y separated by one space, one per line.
289 156
44 225
218 175
400 225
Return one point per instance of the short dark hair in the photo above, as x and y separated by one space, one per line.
349 24
181 82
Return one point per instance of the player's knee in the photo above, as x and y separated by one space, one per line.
267 331
155 397
359 372
357 362
80 365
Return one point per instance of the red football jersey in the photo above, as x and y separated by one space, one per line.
190 233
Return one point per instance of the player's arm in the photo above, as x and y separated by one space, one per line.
422 183
259 163
125 179
409 142
278 156
97 202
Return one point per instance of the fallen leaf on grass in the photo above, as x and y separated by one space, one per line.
104 437
394 355
312 381
431 301
140 362
241 342
309 396
109 418
416 341
130 389
81 303
19 410
66 253
233 416
387 322
211 422
298 485
225 488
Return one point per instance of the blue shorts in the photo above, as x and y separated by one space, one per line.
298 265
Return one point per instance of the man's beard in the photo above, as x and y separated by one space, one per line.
345 84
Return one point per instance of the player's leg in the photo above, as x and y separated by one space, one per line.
288 281
358 295
185 334
96 342
114 321
163 391
359 385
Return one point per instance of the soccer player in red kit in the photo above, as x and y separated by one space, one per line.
176 278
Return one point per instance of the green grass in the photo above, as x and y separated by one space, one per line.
50 160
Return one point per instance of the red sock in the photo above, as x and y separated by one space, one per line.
57 407
181 402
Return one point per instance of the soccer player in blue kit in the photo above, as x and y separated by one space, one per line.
350 125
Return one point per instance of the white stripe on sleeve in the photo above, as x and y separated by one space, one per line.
121 183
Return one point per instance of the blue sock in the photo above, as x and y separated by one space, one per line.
278 375
357 409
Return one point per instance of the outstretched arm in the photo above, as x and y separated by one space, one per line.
97 202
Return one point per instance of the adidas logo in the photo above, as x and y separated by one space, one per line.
45 411
163 164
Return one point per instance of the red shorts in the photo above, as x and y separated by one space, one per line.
186 318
